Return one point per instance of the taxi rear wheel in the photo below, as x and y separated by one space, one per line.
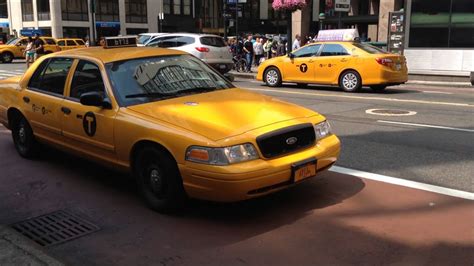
159 180
272 77
24 139
7 57
378 87
350 81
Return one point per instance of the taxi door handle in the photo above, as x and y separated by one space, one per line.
66 110
343 60
26 99
310 61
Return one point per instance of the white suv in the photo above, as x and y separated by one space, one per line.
209 48
144 38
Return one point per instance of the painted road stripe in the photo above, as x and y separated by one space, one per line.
437 92
364 98
405 183
424 125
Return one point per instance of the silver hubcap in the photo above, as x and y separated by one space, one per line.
272 77
6 57
22 134
156 181
349 81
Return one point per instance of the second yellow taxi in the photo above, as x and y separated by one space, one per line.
169 119
348 64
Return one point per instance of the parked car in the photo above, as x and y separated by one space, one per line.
69 43
209 48
15 48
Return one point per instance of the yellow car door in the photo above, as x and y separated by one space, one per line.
43 97
89 129
299 66
20 47
62 45
332 59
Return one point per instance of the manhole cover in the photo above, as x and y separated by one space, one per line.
54 228
389 112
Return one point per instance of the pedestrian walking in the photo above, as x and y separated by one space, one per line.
267 48
248 49
274 49
30 52
281 49
38 46
296 43
258 50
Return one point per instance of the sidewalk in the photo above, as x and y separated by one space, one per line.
412 80
15 249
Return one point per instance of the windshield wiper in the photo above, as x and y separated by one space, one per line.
159 95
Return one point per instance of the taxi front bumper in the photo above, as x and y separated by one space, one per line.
254 178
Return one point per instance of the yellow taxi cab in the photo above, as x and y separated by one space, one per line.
15 48
172 121
70 43
348 64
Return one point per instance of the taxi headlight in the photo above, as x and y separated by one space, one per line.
322 130
222 156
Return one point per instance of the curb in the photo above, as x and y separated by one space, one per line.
409 82
19 250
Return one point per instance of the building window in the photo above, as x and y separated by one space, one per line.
442 23
135 11
27 10
43 9
75 10
107 10
75 32
177 7
3 9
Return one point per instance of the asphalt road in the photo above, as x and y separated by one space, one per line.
335 219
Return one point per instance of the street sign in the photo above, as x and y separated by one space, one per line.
342 5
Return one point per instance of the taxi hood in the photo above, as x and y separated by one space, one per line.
221 114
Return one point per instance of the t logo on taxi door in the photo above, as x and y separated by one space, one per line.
303 68
89 124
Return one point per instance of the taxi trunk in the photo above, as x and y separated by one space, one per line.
387 69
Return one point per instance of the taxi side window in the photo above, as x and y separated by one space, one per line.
24 42
80 42
87 78
307 51
51 75
61 43
333 50
71 43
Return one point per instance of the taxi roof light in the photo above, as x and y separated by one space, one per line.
120 41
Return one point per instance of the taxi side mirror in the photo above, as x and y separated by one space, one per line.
291 55
94 99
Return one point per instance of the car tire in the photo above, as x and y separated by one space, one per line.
302 85
378 88
159 180
272 77
24 139
350 81
7 57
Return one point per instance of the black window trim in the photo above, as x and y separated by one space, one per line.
322 47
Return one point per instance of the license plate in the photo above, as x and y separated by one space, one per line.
304 170
222 66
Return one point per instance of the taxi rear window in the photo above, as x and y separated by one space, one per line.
370 48
144 80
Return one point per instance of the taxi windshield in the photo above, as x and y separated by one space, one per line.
150 79
12 41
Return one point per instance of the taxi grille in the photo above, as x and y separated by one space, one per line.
286 140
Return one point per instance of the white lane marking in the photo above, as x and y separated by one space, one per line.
437 92
374 112
364 98
424 125
404 182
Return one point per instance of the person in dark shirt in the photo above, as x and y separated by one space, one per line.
248 50
39 49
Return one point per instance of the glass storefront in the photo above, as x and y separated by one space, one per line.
442 24
74 10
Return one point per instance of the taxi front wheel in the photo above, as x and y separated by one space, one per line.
24 139
7 57
350 81
272 77
159 180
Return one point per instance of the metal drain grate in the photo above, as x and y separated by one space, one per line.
54 228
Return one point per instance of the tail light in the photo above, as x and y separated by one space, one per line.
202 49
384 61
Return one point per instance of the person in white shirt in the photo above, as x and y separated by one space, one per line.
258 50
296 43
